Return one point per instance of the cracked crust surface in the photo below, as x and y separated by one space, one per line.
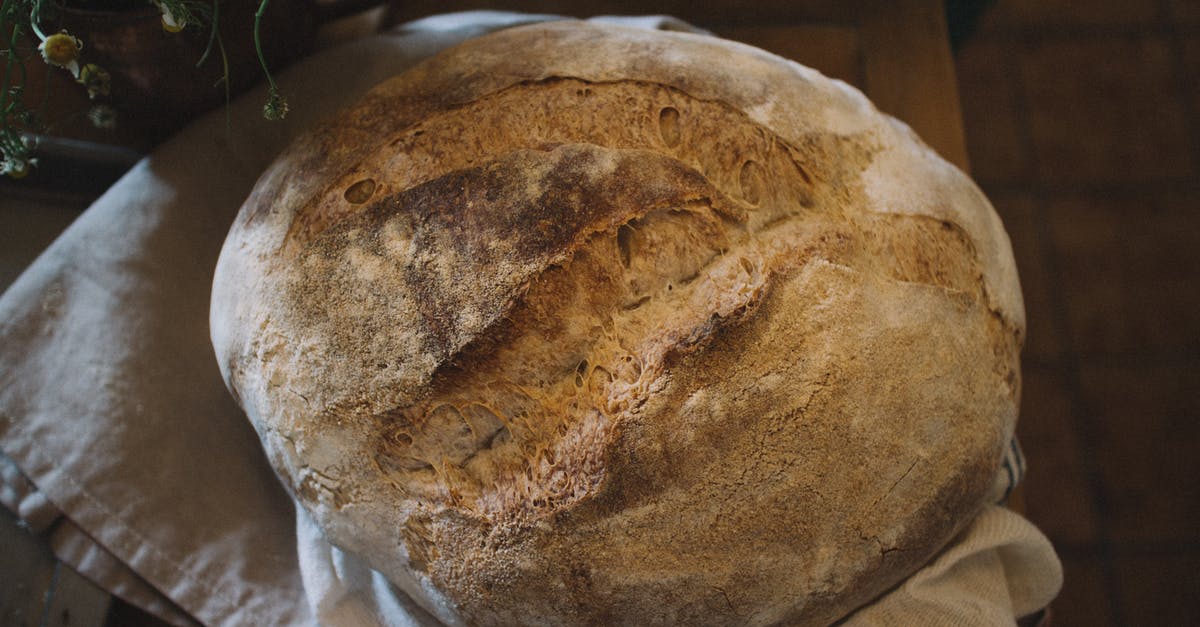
626 328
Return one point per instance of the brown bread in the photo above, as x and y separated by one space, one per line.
582 324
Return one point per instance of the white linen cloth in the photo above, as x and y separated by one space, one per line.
120 442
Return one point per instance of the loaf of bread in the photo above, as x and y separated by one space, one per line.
577 324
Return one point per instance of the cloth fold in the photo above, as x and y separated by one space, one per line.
999 569
75 548
121 443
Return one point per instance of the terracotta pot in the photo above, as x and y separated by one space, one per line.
156 84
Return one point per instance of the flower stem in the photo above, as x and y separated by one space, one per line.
35 18
276 107
11 53
224 64
262 8
212 32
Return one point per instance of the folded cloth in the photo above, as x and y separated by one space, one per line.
73 546
999 569
115 423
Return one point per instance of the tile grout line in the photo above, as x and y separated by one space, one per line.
1073 32
1068 361
1179 71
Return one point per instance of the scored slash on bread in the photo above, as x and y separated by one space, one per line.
583 324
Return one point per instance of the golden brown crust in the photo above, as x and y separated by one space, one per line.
631 328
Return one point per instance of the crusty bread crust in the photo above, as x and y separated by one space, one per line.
582 324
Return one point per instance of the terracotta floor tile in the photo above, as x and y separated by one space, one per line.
1083 601
1042 13
1129 271
1057 498
1147 442
989 109
1191 67
1184 12
1159 590
1021 214
1105 110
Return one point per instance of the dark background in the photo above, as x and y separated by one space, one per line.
1082 127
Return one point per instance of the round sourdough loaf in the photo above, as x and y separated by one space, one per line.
581 324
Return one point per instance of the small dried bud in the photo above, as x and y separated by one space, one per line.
96 79
171 22
17 166
103 116
276 107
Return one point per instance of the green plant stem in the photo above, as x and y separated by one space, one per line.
224 63
35 15
213 30
262 8
8 66
12 46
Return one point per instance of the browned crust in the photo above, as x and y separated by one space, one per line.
540 205
625 339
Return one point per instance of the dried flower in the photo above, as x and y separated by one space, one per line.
172 21
62 49
276 107
96 79
103 116
17 166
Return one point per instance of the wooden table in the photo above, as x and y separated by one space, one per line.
897 52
